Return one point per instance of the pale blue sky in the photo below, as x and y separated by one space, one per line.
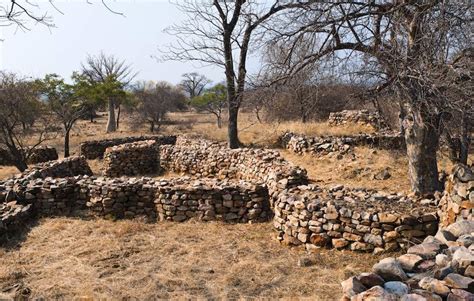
88 29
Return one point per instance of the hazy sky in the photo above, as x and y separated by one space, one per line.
88 29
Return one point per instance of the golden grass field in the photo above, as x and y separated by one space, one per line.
68 258
65 258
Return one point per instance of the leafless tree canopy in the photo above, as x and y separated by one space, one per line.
114 75
155 100
194 84
223 33
413 45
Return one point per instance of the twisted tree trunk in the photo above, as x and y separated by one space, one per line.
421 139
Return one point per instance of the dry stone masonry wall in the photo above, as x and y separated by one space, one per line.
95 149
130 159
319 146
43 154
364 117
38 155
457 202
356 219
171 199
202 158
67 167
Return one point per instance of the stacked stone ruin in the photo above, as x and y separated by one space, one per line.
235 185
67 167
357 219
95 149
439 268
339 145
38 155
130 159
364 117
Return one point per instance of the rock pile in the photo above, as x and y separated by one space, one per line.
339 145
457 202
364 117
136 158
441 268
95 149
357 219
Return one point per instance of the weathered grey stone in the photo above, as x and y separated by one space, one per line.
425 250
460 295
352 287
461 228
375 293
454 280
390 270
434 285
409 262
396 287
370 279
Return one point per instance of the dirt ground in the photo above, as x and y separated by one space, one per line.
66 258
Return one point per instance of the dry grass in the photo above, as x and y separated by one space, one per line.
67 258
253 132
328 170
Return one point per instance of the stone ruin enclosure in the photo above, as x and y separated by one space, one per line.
341 145
95 149
39 154
130 159
239 185
363 117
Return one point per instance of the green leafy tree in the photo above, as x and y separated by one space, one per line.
213 101
68 102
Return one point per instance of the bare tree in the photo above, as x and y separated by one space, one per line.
194 84
155 100
114 75
19 103
21 13
221 33
412 44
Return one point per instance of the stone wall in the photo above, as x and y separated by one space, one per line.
13 216
201 158
364 117
43 154
357 219
339 144
67 167
457 202
441 268
95 149
170 199
213 200
136 158
39 154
